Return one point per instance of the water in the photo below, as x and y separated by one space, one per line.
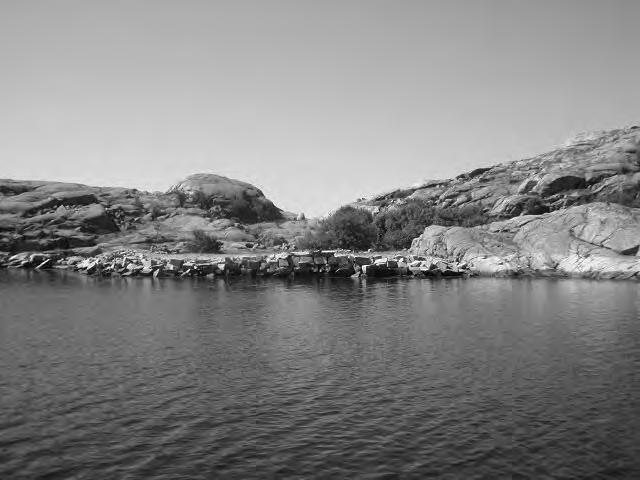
479 378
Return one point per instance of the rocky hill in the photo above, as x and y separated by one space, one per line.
601 166
567 212
40 215
571 211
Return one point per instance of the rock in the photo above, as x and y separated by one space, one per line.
75 197
176 263
89 267
527 185
513 205
87 251
360 260
48 263
575 172
631 146
595 240
94 218
555 182
239 199
121 216
37 258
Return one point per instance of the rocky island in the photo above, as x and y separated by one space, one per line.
570 211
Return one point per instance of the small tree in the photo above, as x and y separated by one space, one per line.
202 200
181 197
351 228
155 211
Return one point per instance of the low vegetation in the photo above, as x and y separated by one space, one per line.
241 207
204 242
246 211
270 239
397 227
347 227
357 229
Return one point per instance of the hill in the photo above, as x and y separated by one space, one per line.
571 211
600 166
42 215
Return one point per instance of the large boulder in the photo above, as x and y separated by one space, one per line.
595 240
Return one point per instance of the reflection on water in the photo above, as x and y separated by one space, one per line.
481 378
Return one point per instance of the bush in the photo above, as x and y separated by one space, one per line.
348 227
271 239
314 240
396 228
248 210
204 242
351 228
180 196
200 198
155 211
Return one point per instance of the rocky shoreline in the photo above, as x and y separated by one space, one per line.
570 212
335 263
596 240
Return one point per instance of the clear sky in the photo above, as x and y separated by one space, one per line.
316 102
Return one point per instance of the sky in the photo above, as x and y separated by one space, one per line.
315 102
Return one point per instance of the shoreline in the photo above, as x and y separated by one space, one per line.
332 263
127 263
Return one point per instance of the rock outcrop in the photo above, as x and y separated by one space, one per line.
601 166
599 240
39 215
225 195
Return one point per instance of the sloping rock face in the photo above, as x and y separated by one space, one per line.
599 240
601 166
38 215
52 215
229 197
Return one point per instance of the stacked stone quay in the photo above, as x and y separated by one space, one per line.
336 263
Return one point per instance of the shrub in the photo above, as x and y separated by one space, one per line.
396 228
271 239
253 211
314 240
347 227
200 198
204 242
241 209
350 227
181 197
155 211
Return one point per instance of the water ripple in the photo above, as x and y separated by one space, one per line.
323 379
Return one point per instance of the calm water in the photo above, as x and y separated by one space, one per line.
481 378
